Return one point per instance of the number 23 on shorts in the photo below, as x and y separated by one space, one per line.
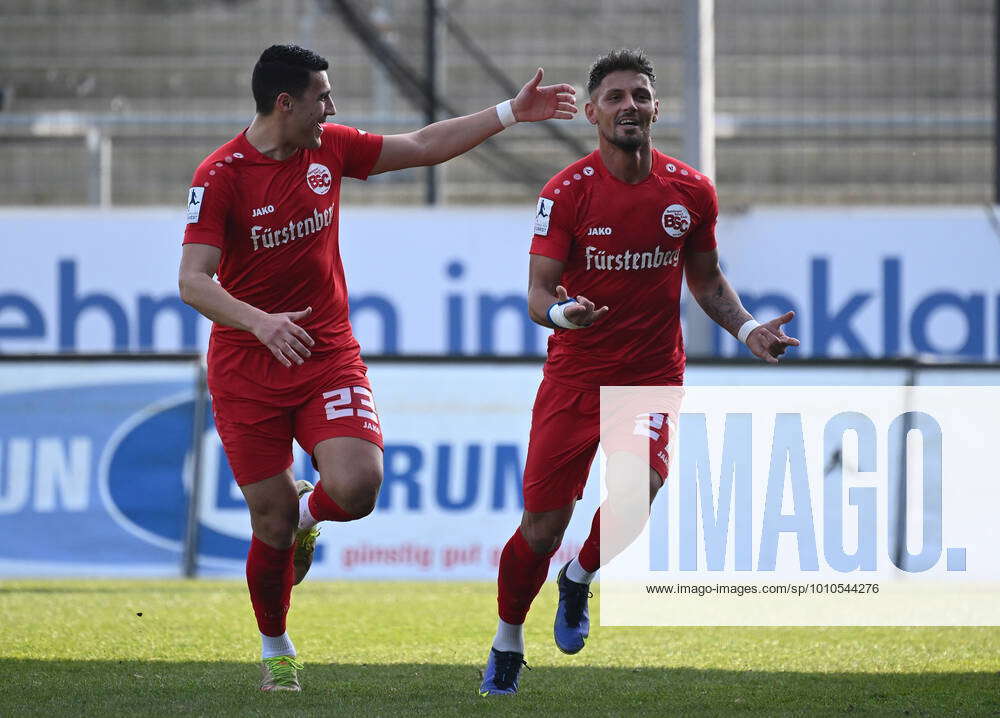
350 401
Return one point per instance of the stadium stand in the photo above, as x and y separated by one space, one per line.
858 101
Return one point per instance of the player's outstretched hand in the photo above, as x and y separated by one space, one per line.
284 337
582 312
769 341
534 103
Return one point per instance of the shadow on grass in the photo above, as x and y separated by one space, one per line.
70 586
202 688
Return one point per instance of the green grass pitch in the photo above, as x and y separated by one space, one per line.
80 648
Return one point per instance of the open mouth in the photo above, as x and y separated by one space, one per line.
628 122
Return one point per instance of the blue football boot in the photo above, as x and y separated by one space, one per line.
572 624
503 671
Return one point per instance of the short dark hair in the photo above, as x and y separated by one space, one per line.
283 68
621 59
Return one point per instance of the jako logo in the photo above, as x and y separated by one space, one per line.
318 178
599 232
261 211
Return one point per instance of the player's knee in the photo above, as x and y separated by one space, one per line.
362 505
546 544
362 494
542 539
275 526
543 532
655 484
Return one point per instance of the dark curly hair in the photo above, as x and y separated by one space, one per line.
283 68
621 59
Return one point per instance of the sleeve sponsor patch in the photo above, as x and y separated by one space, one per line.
195 195
542 214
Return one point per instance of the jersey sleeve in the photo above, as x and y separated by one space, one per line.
358 150
703 238
209 201
555 217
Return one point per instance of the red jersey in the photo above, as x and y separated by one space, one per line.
623 246
277 226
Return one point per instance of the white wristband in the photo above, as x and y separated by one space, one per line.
748 326
506 114
557 315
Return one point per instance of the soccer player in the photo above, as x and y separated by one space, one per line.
613 234
283 363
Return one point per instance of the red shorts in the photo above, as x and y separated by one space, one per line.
260 406
565 433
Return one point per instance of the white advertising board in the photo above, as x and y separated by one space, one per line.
867 282
96 466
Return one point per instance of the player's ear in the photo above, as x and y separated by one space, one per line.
591 112
656 109
283 102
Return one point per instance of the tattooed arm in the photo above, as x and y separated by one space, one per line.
711 289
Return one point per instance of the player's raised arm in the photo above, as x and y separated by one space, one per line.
278 332
548 302
443 140
716 296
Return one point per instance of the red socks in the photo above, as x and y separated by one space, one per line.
590 552
614 544
522 573
270 572
269 577
323 508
